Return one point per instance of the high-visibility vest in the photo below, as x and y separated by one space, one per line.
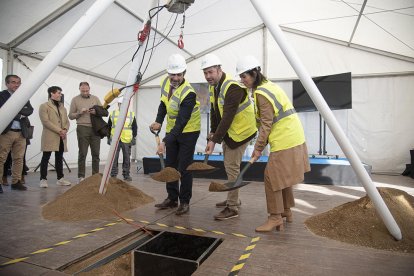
126 134
287 131
173 105
243 125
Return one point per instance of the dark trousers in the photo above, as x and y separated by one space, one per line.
86 138
126 159
58 162
180 156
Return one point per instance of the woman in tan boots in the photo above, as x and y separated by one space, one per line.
279 125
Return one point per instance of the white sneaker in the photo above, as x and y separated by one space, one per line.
63 182
80 179
43 183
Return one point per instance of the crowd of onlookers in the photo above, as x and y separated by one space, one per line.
85 109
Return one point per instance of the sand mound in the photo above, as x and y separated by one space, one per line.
358 223
199 166
216 187
83 201
168 174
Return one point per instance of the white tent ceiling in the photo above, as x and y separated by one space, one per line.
329 36
33 27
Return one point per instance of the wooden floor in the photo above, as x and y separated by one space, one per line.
34 246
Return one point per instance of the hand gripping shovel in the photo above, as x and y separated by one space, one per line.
202 167
219 187
167 174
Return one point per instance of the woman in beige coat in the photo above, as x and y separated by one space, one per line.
54 118
280 127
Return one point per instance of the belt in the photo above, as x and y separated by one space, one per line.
16 130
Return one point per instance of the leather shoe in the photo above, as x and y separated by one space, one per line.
18 186
184 208
167 203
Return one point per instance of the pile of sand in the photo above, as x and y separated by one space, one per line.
200 166
358 223
167 174
83 201
216 187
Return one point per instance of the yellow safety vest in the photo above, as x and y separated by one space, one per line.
126 134
243 125
287 131
173 105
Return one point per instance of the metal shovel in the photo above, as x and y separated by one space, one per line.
202 167
173 174
238 183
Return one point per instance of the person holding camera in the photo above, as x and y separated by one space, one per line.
126 141
81 109
54 118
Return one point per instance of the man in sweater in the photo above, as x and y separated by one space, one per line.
81 109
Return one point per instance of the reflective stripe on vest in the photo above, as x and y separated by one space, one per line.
243 124
173 106
126 133
281 114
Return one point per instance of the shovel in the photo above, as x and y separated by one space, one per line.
238 183
202 167
167 174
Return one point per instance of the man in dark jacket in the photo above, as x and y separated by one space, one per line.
11 139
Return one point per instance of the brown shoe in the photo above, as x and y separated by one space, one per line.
182 209
167 203
22 180
18 186
4 181
274 221
288 215
227 213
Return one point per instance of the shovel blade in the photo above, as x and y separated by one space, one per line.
235 185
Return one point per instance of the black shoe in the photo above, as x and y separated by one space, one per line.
1 189
167 203
127 178
18 186
184 208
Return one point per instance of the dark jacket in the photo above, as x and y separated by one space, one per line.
27 109
98 123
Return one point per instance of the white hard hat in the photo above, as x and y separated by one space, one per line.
209 60
176 64
246 63
120 99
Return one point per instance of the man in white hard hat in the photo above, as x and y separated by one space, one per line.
232 124
179 103
126 141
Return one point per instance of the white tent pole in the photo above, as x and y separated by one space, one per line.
328 116
9 110
133 72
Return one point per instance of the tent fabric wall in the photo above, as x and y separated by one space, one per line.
381 62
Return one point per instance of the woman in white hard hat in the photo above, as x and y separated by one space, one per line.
179 103
279 126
